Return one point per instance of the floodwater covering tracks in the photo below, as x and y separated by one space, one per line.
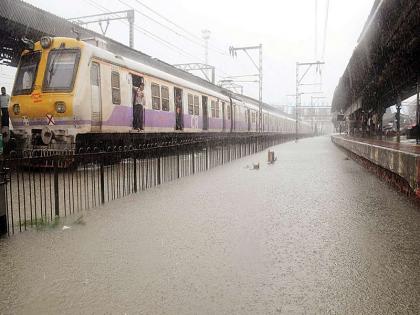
38 190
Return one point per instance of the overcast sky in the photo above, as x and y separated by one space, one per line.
285 28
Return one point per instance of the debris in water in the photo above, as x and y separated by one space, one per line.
65 227
271 157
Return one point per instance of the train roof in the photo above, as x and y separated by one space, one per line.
170 69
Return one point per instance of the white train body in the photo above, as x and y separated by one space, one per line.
100 99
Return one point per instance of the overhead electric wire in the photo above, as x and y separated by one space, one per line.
151 35
178 26
325 30
147 33
161 24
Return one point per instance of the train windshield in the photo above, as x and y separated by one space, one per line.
26 73
61 70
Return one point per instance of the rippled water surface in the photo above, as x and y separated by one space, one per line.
313 233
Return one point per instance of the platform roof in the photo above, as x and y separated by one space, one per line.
386 61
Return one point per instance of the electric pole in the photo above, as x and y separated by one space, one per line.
105 18
232 51
299 83
206 36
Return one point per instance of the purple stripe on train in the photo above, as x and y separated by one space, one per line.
122 116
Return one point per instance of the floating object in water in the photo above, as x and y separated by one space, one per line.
271 157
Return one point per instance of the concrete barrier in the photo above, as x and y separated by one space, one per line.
404 164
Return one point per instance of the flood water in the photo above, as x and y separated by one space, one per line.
313 233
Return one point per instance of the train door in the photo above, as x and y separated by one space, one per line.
138 101
95 98
179 115
249 119
223 116
205 113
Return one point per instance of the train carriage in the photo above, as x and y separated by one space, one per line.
67 89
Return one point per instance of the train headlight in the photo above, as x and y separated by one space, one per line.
46 42
16 109
60 107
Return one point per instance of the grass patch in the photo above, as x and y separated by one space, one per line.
42 223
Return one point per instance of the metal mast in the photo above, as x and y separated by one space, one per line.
204 68
232 51
106 18
299 83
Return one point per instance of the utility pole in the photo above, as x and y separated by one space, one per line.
232 51
398 116
105 18
206 35
316 30
299 83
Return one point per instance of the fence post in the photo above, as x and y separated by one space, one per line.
207 158
177 162
3 206
102 180
223 153
135 175
158 171
56 193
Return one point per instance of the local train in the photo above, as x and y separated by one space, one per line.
69 91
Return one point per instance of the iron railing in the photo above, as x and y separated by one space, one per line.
40 189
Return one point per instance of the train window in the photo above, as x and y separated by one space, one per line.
155 96
165 98
213 109
190 104
26 73
61 69
217 110
115 85
196 105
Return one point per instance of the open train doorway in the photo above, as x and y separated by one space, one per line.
138 101
224 116
179 116
205 113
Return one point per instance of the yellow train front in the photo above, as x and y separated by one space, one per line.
41 105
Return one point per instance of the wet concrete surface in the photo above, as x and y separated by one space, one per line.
313 233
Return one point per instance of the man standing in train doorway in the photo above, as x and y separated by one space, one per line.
138 107
178 111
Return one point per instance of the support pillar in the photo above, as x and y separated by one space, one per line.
3 206
398 116
418 104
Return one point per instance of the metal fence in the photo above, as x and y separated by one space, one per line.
39 189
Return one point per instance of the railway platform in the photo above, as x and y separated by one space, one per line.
396 162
